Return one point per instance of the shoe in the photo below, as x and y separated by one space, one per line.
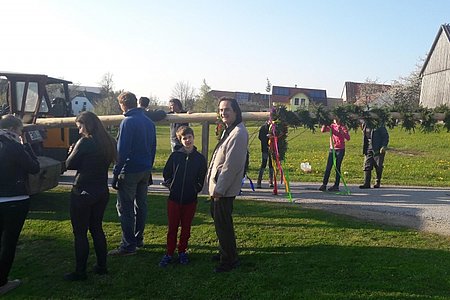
333 189
226 267
376 185
271 185
184 258
75 276
100 270
364 186
120 252
323 188
140 245
222 268
215 257
167 259
10 285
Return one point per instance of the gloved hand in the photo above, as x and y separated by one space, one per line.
382 150
115 181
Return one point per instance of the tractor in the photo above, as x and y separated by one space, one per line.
35 96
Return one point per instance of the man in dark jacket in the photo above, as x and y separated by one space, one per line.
263 136
375 142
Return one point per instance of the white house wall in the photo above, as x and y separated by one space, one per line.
435 89
440 57
79 102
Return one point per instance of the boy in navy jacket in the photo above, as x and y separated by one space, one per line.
184 174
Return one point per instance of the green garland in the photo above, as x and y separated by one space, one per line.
351 116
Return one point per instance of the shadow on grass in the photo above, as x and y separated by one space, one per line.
54 206
287 253
311 272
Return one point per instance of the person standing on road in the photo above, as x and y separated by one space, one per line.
17 161
375 142
184 175
91 157
136 148
224 179
175 107
264 135
339 133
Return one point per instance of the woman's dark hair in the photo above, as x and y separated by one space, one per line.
95 129
177 102
235 107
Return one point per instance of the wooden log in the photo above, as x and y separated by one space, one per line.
170 118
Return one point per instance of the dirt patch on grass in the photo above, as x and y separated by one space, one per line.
405 152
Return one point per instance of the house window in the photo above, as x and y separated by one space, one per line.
282 91
242 97
303 102
296 100
84 103
76 102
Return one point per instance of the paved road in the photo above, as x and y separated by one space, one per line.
421 208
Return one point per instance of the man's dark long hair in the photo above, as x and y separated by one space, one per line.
236 109
228 129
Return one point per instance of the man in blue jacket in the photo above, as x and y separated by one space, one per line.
136 147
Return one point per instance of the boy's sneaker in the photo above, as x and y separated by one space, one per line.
167 259
322 187
184 258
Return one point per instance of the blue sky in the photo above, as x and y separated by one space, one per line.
149 46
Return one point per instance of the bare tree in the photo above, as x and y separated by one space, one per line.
154 102
405 92
107 104
186 93
373 93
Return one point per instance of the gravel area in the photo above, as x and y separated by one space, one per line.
420 208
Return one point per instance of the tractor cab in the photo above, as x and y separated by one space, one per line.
33 96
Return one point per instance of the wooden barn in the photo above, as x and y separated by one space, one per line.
435 72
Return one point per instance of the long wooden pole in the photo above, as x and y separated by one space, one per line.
170 118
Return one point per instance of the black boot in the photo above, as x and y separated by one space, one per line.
367 178
378 181
271 177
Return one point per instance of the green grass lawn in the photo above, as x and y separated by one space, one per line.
287 252
412 159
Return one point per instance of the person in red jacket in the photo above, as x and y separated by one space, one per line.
339 134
